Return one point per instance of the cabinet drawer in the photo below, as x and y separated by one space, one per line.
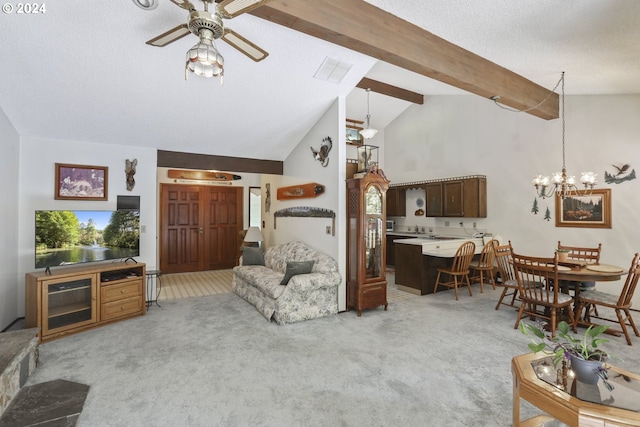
373 296
119 308
119 291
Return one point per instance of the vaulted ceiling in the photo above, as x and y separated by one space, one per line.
82 71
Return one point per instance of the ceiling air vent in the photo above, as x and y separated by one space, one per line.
332 70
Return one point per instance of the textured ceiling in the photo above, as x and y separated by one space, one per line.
82 71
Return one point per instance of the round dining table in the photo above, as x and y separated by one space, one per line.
590 273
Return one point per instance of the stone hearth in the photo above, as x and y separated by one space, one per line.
18 359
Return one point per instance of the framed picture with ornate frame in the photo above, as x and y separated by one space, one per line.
81 182
589 211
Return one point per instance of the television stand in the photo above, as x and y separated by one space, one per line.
73 299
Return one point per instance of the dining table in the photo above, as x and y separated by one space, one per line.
583 272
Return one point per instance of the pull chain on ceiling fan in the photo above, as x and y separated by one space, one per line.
203 59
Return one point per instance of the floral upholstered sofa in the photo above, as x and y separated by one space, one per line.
306 295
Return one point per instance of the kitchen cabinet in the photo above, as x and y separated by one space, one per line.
465 198
415 270
391 254
366 241
433 196
453 194
396 202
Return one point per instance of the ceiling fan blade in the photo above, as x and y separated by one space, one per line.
233 8
185 4
170 36
243 45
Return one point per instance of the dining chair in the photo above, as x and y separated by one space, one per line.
535 276
484 266
576 253
507 277
588 255
621 304
458 273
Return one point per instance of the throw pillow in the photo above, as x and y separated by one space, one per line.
252 256
293 268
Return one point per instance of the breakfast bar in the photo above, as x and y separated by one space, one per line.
417 260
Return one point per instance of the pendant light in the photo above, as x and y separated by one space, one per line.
368 132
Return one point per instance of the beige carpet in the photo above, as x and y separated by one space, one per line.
201 283
196 284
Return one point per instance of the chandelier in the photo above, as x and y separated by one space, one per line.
368 132
560 183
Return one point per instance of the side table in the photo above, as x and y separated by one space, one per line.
151 275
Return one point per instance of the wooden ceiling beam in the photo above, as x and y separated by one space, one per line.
389 90
357 25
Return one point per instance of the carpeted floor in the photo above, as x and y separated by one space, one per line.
215 361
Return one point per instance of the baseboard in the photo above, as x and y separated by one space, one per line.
12 323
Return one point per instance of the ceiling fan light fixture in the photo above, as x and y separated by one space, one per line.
204 60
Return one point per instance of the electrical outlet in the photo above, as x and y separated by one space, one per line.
461 224
446 223
143 228
474 225
328 229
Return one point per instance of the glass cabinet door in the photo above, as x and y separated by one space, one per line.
373 232
68 303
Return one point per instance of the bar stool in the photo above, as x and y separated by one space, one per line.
157 275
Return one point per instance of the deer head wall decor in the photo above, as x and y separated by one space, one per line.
130 170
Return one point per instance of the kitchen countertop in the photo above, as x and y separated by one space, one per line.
442 248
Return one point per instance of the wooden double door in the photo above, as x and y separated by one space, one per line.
200 227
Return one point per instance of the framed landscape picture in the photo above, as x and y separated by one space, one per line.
592 211
80 182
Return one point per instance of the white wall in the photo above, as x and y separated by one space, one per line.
36 188
462 135
301 168
11 284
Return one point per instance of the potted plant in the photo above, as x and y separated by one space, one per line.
563 254
586 358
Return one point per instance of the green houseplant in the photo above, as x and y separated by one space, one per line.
574 349
563 254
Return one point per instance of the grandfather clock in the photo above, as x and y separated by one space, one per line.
366 239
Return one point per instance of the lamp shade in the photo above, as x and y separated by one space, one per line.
253 235
368 133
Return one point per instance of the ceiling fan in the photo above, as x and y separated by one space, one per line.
203 59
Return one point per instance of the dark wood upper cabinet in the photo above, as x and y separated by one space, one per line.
466 198
396 202
433 196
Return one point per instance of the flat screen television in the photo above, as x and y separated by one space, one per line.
65 237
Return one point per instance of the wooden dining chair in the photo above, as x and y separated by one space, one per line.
484 266
535 276
458 273
577 253
507 277
620 304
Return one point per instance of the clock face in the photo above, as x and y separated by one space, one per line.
420 202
